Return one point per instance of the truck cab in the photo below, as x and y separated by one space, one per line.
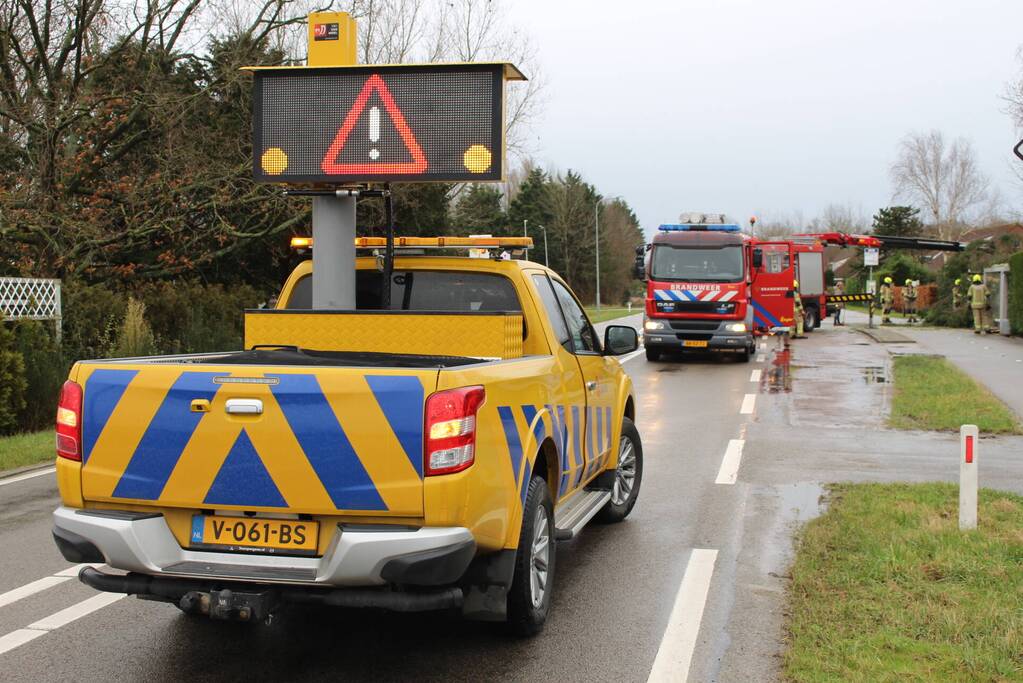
698 284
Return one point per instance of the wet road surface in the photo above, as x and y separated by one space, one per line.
772 431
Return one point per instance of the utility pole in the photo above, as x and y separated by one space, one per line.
596 240
545 260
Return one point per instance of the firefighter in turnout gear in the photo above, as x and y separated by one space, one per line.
957 293
887 299
797 310
909 301
978 295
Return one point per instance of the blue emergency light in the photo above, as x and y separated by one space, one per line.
714 227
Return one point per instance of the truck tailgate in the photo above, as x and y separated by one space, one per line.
325 440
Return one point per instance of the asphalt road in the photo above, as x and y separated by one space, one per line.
693 580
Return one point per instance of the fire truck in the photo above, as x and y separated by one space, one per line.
712 287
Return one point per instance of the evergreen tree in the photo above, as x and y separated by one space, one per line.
898 221
530 205
479 211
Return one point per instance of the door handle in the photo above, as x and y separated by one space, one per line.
591 385
244 406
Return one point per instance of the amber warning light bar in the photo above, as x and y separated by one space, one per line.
299 242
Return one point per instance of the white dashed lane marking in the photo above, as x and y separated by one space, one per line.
760 358
42 584
754 376
64 617
28 589
679 641
729 470
76 611
748 403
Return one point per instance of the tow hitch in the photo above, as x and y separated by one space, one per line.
231 605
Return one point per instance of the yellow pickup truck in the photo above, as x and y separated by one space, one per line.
417 458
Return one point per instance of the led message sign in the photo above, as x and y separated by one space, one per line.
442 122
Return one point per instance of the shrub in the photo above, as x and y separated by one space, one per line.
1016 293
44 373
191 317
92 314
12 381
135 337
978 255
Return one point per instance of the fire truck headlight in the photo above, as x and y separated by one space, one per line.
654 325
736 327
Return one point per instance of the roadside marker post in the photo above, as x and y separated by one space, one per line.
968 438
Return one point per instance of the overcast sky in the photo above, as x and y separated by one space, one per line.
767 106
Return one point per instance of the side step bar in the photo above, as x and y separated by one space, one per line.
570 519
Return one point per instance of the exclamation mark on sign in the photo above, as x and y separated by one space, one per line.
374 131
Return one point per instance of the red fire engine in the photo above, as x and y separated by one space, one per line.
711 287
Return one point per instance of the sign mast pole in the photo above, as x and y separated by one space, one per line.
332 41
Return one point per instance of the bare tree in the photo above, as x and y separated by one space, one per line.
401 31
778 224
1014 108
944 179
839 218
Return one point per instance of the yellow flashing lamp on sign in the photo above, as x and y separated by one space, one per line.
299 242
388 123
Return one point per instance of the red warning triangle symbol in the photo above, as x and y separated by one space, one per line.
330 164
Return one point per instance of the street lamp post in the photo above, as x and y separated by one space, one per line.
546 262
525 252
596 241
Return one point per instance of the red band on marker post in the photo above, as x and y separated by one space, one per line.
969 449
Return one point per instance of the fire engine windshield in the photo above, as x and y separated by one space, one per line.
697 264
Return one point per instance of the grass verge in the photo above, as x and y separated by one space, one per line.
26 449
886 588
609 313
931 393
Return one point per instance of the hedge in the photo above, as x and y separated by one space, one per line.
100 322
12 381
1016 293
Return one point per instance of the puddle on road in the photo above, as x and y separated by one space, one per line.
777 377
802 500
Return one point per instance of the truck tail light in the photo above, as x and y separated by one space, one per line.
451 429
69 421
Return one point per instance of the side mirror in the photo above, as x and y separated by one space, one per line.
639 267
620 339
758 257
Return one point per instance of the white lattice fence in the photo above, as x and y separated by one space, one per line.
29 298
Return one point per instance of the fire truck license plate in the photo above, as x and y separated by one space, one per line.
255 533
695 343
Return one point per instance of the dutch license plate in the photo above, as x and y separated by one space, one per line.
694 343
255 534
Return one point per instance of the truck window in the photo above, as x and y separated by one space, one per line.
423 290
697 264
550 303
776 261
584 339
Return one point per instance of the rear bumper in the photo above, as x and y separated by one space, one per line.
429 556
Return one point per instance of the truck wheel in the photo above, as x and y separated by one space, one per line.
628 476
811 320
651 354
746 354
529 598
